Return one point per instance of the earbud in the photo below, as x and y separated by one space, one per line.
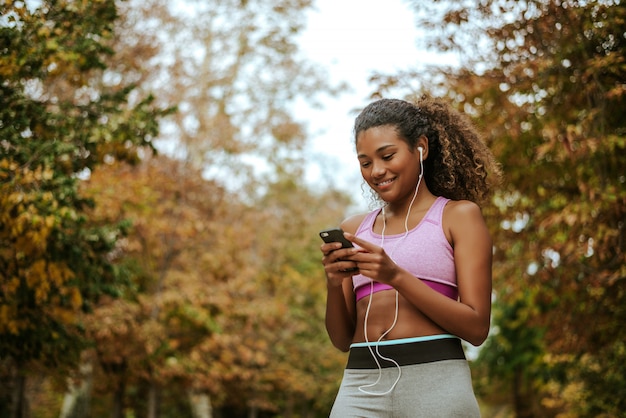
421 150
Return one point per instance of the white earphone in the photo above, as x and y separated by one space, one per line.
421 150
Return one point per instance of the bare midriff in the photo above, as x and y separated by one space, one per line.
411 322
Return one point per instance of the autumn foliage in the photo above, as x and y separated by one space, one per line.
215 308
136 283
545 81
133 273
47 142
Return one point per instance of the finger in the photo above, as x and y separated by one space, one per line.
329 247
342 268
361 242
349 268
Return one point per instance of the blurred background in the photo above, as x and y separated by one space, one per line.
165 168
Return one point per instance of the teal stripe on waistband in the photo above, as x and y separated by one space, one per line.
404 340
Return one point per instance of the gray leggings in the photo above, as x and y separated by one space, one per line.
434 389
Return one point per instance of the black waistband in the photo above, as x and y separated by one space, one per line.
406 353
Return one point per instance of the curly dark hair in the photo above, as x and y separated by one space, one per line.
459 166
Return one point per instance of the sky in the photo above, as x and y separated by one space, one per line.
352 39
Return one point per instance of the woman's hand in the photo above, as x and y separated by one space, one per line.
372 261
336 263
340 301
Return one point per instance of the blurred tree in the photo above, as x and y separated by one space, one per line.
73 104
175 217
235 118
545 81
234 70
224 64
228 299
304 367
58 121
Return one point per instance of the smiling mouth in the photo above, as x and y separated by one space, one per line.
386 182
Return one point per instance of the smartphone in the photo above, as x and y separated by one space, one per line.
335 235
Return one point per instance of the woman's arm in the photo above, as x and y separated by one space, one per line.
340 314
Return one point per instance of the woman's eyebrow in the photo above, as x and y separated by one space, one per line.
378 151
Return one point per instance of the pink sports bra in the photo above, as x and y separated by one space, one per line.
425 252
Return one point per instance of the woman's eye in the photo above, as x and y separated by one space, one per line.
387 157
365 165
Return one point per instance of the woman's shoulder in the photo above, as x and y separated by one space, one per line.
352 223
460 211
461 207
462 216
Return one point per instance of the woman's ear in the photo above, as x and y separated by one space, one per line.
422 147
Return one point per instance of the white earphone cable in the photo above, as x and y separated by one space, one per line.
369 303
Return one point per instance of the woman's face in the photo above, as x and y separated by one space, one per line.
387 163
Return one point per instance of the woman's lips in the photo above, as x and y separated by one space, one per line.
386 183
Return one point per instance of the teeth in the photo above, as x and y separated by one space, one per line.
385 182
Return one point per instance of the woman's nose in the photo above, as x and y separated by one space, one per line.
378 169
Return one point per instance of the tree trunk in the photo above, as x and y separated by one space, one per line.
19 404
521 398
153 400
253 412
200 404
77 399
118 401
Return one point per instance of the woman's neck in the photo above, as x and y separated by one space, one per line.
422 202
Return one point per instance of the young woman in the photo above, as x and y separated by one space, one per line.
423 265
